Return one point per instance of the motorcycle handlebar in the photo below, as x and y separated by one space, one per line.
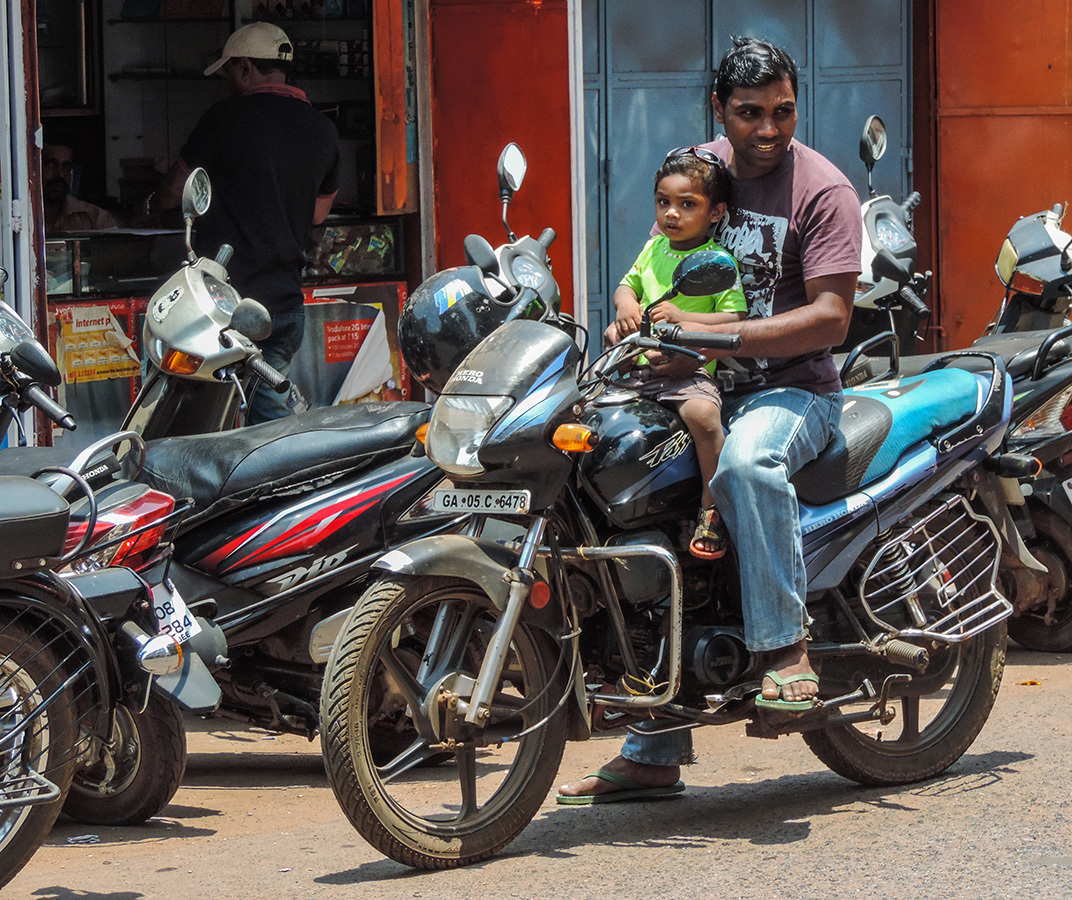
270 376
37 398
547 238
706 339
911 201
914 304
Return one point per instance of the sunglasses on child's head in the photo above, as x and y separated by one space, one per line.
699 152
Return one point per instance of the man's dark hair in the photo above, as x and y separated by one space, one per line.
264 66
710 177
753 63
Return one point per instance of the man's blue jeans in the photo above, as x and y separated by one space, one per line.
770 435
278 350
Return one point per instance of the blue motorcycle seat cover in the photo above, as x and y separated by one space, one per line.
879 422
258 461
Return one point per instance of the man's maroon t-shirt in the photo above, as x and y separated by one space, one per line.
800 221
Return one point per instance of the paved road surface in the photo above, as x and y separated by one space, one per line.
761 819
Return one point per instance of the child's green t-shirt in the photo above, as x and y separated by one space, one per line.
653 273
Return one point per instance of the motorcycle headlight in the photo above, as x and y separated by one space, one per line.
458 427
1050 420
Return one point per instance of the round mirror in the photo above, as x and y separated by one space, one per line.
196 194
873 141
251 319
512 166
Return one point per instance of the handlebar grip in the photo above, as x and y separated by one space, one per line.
547 237
913 302
705 339
224 254
911 201
37 398
272 377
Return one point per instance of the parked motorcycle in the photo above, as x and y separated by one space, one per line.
201 359
129 766
81 659
493 654
890 293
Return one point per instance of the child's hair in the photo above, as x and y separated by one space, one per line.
711 177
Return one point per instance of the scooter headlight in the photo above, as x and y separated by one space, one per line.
458 427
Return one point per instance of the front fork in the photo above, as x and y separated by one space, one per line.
521 578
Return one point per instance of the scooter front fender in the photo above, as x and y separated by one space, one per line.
485 563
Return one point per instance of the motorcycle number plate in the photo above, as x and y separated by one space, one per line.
172 616
475 500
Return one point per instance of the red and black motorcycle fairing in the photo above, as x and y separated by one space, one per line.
288 518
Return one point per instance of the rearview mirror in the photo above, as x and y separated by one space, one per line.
196 194
702 273
251 319
511 170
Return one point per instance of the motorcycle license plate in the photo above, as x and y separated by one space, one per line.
172 616
475 500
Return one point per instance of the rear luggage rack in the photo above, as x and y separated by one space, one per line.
936 576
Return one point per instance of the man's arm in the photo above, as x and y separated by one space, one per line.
822 324
168 194
323 206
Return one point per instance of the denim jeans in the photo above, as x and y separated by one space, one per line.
770 435
278 350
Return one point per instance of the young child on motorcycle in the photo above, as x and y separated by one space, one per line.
691 190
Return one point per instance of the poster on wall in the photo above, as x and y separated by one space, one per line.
349 353
92 346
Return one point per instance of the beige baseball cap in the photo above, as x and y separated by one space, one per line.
258 40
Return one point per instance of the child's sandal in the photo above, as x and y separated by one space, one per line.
707 541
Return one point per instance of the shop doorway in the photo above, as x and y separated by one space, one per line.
648 76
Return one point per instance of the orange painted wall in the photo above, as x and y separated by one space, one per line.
1004 133
500 73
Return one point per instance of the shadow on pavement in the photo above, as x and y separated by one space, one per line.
766 813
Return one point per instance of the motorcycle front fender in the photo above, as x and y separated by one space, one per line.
485 563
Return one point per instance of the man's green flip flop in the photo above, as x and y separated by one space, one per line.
630 790
788 705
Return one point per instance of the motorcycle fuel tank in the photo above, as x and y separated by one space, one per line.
644 467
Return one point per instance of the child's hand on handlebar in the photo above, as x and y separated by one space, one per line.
666 312
627 313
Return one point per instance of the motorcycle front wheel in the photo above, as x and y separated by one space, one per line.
30 674
406 658
149 758
1041 628
938 714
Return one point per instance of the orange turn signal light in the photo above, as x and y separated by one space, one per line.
574 437
422 432
179 363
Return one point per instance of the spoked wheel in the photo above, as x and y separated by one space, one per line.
1041 629
938 716
149 760
406 659
30 673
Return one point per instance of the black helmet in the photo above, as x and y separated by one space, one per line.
446 317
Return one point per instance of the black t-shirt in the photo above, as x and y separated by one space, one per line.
269 154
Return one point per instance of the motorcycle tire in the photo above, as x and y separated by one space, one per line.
1032 629
939 715
30 673
150 761
387 664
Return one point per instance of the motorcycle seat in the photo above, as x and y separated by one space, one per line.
221 471
879 422
1016 349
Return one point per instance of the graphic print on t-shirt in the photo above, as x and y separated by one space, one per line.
756 241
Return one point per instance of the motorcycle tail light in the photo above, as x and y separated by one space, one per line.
144 522
179 363
1023 283
1052 419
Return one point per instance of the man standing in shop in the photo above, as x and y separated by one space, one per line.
273 160
63 211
